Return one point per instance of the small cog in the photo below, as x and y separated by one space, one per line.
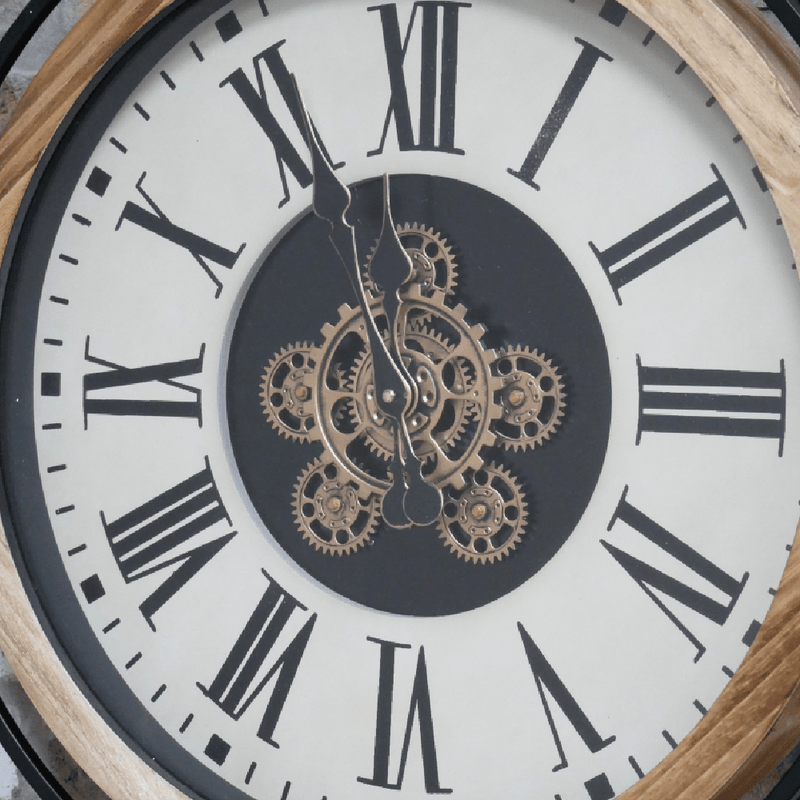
484 521
532 398
329 512
431 257
287 394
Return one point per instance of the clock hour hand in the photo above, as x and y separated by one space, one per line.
393 392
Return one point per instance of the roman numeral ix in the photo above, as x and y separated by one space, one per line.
100 397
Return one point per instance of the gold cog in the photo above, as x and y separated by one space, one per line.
431 257
329 512
484 521
287 393
532 398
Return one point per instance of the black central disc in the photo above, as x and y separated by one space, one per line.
511 278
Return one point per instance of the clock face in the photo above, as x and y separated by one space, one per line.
211 501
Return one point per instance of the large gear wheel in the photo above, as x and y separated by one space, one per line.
457 392
329 511
532 397
432 260
484 521
444 425
286 392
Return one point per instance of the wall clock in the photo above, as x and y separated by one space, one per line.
477 478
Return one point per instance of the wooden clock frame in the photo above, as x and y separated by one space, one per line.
755 76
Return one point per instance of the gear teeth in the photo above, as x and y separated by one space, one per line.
484 497
293 417
307 509
518 417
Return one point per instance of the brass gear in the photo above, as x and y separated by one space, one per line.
484 521
348 440
532 398
329 511
286 392
432 260
445 424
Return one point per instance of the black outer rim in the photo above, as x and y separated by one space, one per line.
788 12
12 740
209 784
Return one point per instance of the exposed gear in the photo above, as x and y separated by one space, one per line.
483 522
456 392
532 398
286 392
432 259
329 511
443 422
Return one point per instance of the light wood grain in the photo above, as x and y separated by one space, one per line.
755 76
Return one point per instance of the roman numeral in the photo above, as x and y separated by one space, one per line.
584 66
547 678
116 376
242 677
674 231
713 402
256 102
201 249
419 710
155 536
437 76
649 578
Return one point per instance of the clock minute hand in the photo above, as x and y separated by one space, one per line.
390 268
393 394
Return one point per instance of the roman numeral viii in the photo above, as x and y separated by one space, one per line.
102 390
652 580
244 675
438 25
169 531
419 709
673 232
256 101
713 402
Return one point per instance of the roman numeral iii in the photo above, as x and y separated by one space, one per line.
713 402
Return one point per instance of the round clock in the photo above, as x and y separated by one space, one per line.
403 398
